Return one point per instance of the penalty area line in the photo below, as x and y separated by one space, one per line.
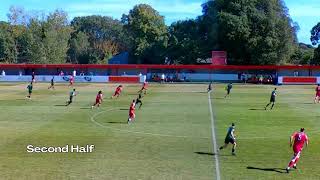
214 140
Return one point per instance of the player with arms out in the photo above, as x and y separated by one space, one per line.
99 98
297 141
317 98
272 99
230 138
72 94
132 114
144 88
228 88
117 92
29 87
51 83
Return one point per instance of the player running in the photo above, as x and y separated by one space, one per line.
228 88
209 87
29 87
51 83
117 92
138 100
272 99
144 87
230 138
299 139
99 98
132 114
71 80
72 94
317 98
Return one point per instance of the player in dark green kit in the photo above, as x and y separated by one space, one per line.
51 84
72 94
230 138
272 99
228 88
138 100
209 87
29 87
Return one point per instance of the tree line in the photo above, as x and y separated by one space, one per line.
253 32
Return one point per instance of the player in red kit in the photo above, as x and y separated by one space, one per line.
117 92
71 80
132 114
317 98
298 139
99 98
144 87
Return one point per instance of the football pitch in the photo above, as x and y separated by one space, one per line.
171 138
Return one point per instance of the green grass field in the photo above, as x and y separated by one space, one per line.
170 139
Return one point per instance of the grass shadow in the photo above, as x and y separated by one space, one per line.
60 105
205 153
257 109
308 103
86 108
211 154
117 122
218 98
124 109
278 170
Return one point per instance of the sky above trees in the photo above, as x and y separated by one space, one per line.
306 13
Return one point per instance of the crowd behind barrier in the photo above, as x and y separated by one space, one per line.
157 73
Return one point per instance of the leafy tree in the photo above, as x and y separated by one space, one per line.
316 58
105 36
148 34
79 45
8 51
184 46
23 44
315 34
315 38
252 32
56 36
303 54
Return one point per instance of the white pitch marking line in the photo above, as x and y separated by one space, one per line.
92 118
214 140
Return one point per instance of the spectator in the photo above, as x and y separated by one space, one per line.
20 73
61 73
74 73
3 73
260 79
163 77
171 78
82 73
244 78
